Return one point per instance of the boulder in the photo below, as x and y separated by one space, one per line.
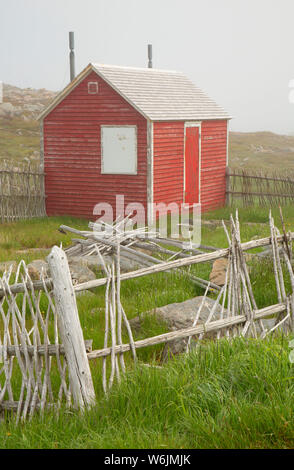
90 262
269 323
6 109
267 252
80 272
93 262
127 265
6 265
36 267
180 316
218 273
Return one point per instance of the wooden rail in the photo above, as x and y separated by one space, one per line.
164 266
184 333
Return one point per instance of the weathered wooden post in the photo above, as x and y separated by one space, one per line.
228 185
70 330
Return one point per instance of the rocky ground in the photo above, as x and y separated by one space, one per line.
19 128
25 104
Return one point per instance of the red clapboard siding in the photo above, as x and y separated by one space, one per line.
72 156
213 164
168 162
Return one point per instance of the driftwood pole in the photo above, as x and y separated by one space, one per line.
70 330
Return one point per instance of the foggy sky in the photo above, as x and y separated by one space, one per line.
240 52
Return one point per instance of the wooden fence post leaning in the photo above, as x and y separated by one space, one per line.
70 330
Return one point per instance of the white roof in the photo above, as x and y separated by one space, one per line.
161 94
158 95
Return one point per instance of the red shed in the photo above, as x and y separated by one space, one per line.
150 135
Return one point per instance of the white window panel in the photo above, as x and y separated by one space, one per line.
119 150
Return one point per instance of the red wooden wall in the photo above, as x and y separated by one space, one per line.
213 164
168 164
168 158
73 181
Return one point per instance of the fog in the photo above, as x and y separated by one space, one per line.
239 52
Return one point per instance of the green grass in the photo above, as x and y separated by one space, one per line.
19 139
32 239
254 214
236 394
261 150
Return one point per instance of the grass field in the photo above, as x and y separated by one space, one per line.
19 140
237 394
226 395
17 239
261 150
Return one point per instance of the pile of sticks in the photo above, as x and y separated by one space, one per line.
133 246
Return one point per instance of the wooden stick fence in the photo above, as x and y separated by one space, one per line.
260 187
21 192
41 335
241 317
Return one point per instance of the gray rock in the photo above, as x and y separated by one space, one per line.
268 252
5 266
7 109
80 272
91 262
127 265
269 323
36 268
94 262
33 107
179 316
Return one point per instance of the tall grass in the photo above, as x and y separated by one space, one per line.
237 394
